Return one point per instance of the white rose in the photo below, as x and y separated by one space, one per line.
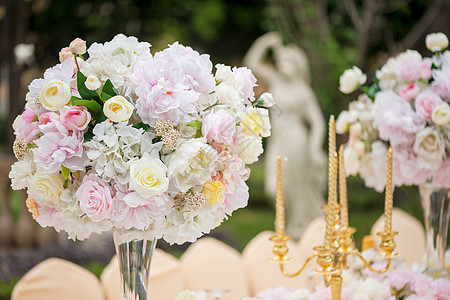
255 121
46 187
267 99
225 75
191 164
351 79
344 120
148 176
248 147
118 109
436 41
430 148
387 75
55 94
92 82
441 114
351 159
227 94
373 166
78 46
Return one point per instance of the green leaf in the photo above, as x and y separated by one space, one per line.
101 117
258 102
91 105
88 136
109 89
106 96
65 172
141 125
85 93
196 124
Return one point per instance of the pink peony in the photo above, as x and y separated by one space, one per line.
400 279
405 170
128 215
246 82
426 70
409 92
59 146
421 285
441 177
75 117
48 216
425 103
441 288
397 121
410 69
219 126
29 115
95 197
441 83
27 132
48 117
235 200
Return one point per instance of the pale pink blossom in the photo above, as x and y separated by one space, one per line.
441 83
426 70
78 46
405 167
235 200
441 177
64 54
400 279
441 288
59 146
410 69
29 115
75 117
27 132
48 216
219 126
425 103
397 121
246 82
409 92
95 197
421 285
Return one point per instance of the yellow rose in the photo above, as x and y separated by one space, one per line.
118 109
148 176
214 192
255 121
47 187
55 94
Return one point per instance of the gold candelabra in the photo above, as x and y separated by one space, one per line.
338 241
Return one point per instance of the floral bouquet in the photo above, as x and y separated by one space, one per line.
406 107
126 140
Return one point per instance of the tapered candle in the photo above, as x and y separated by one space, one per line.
331 153
343 189
388 195
332 194
279 202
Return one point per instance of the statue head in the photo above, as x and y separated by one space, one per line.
292 62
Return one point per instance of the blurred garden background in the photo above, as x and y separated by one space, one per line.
335 35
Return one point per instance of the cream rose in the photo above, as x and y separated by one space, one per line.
351 79
148 176
118 109
46 187
430 148
344 120
436 41
255 121
214 192
78 46
92 82
55 94
441 114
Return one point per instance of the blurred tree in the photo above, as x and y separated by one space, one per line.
337 34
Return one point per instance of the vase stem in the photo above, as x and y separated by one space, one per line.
134 265
435 204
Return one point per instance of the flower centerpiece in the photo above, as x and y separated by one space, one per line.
406 107
126 140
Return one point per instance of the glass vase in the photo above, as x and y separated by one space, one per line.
134 251
435 204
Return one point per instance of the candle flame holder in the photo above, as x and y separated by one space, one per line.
332 256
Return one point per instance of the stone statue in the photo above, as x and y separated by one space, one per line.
298 130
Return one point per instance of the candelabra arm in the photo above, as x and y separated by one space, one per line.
299 271
368 266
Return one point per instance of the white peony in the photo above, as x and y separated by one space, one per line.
255 122
118 109
441 114
148 176
22 172
351 79
387 75
248 148
436 41
92 82
429 146
225 75
191 164
373 166
227 94
55 94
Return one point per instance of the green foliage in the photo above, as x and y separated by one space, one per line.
6 287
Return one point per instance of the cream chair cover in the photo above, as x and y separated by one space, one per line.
211 264
56 279
263 274
166 279
411 238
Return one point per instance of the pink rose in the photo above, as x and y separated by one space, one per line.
400 279
95 197
78 46
409 92
426 70
219 126
29 115
410 69
75 117
64 54
48 117
441 288
246 81
425 103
